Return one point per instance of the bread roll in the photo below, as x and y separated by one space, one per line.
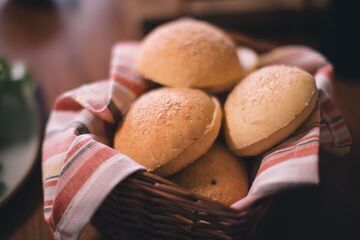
266 107
249 61
190 53
217 175
168 128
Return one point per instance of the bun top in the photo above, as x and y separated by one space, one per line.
189 53
163 123
264 102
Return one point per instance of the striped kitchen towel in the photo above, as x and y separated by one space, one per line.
294 162
80 168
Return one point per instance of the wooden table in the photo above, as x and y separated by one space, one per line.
69 45
65 46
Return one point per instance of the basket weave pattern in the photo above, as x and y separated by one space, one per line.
146 206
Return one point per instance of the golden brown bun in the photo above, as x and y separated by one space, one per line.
248 60
189 53
168 128
266 107
217 175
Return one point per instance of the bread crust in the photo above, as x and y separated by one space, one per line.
189 53
217 175
266 107
164 123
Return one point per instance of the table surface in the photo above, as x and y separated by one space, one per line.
69 45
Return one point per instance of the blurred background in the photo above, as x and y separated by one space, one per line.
66 43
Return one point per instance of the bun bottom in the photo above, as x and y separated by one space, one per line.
194 151
276 137
218 175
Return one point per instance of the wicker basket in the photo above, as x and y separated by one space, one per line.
146 206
